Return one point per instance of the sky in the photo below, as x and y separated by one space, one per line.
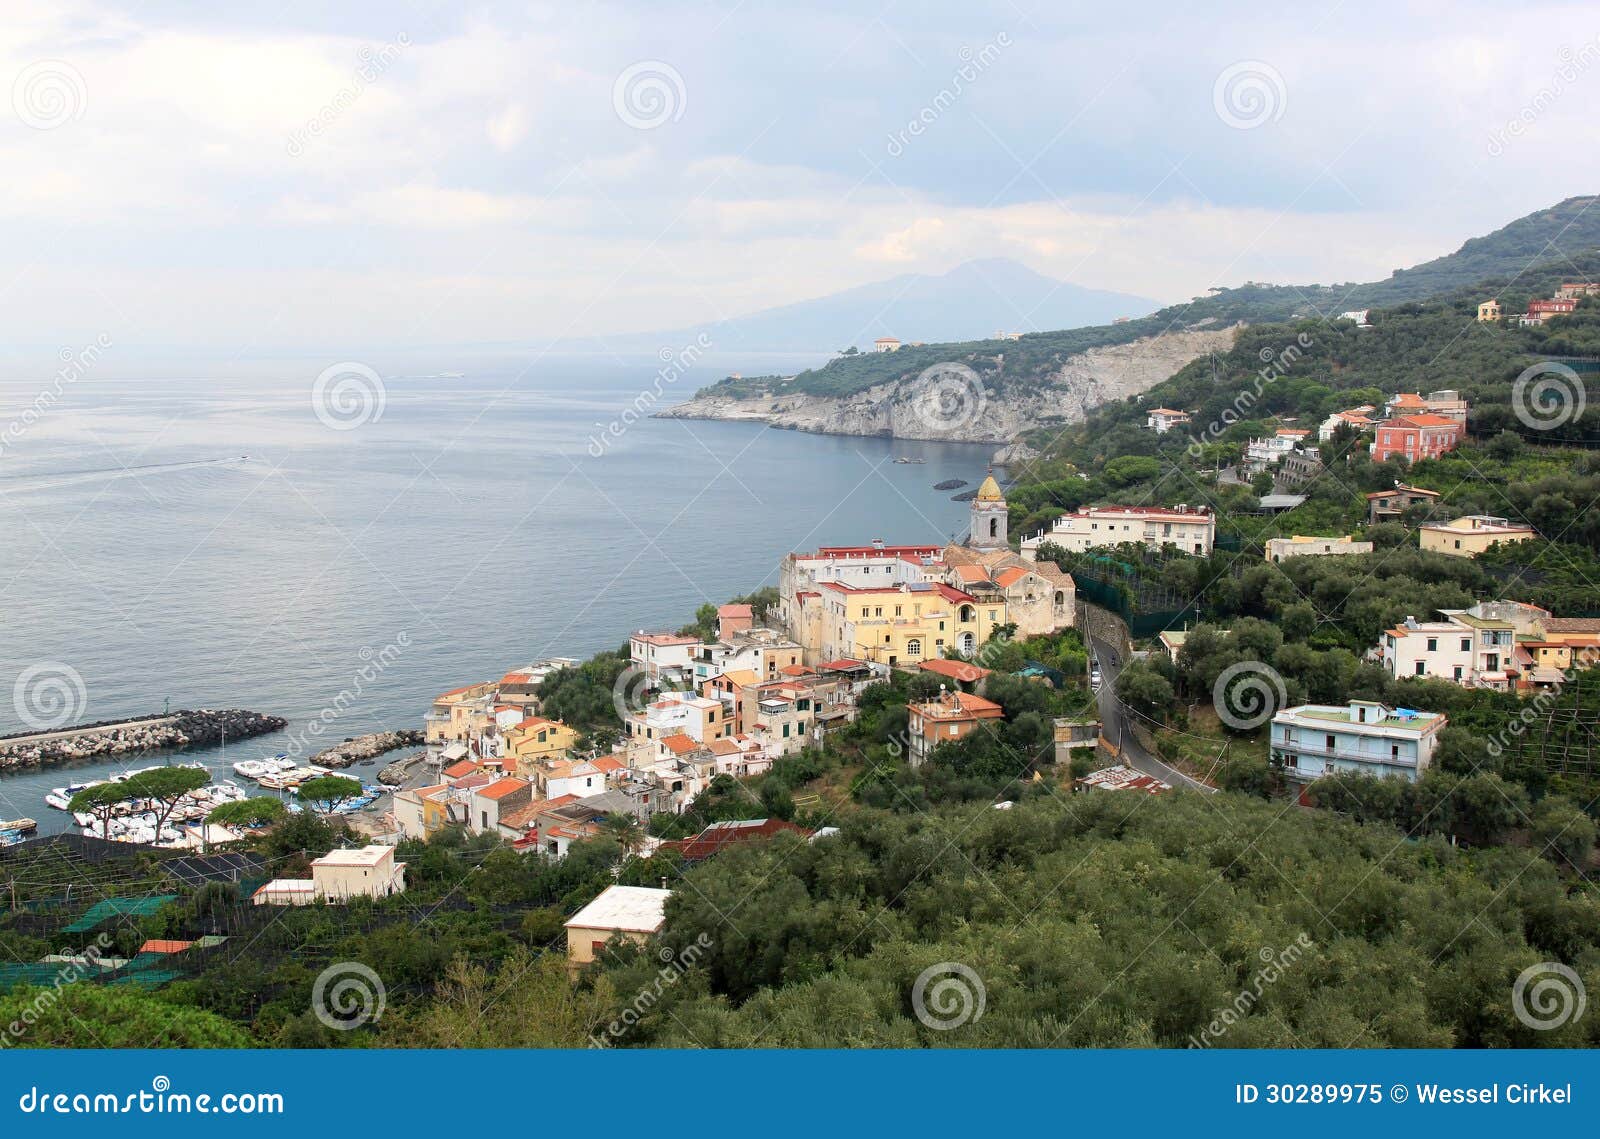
279 177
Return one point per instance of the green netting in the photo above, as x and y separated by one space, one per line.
29 973
102 912
148 978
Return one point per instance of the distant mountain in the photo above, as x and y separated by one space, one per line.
973 301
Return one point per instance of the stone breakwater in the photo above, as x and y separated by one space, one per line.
366 747
187 728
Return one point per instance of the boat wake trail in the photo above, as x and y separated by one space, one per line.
15 484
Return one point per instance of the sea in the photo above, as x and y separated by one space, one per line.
336 543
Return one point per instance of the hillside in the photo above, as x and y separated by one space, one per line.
1525 258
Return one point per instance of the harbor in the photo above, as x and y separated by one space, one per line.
182 824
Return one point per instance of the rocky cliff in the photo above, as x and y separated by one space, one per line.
995 408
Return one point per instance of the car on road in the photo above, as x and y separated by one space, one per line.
1094 675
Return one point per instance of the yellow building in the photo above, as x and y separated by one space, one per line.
635 913
896 625
536 739
1489 310
1469 536
459 715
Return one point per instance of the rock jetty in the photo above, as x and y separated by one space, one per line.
949 484
366 747
187 728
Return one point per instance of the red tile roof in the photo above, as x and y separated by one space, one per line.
735 611
679 744
162 945
503 787
955 669
719 836
459 768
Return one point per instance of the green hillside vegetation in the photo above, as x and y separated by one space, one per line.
1093 921
1498 262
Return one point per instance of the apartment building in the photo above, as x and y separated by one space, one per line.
1188 529
1362 737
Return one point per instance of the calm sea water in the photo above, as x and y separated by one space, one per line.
214 543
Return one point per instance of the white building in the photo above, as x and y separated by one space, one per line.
1164 419
885 344
1301 546
1261 453
1359 738
1476 647
1189 529
665 658
338 876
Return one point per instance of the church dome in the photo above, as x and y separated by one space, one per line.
989 491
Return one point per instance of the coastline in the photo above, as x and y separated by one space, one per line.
176 731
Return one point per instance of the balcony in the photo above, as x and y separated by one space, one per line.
1349 755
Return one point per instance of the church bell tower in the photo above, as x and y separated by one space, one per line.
988 530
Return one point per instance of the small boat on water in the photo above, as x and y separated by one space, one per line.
908 459
18 827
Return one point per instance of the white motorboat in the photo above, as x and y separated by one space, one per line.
254 768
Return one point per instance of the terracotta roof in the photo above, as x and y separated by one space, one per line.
742 676
679 744
503 787
735 611
844 664
724 747
608 763
795 670
1009 576
958 704
955 669
162 945
665 639
457 770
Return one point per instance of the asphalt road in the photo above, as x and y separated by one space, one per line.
1115 722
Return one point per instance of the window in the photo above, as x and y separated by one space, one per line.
1422 668
1394 751
1466 644
1433 644
1330 743
1457 675
914 647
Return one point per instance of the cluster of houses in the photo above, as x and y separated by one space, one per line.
1562 304
1504 645
1188 529
735 703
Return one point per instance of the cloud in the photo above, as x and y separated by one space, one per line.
383 175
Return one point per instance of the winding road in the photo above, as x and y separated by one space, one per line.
1115 722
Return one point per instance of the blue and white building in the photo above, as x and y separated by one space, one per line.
1359 738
